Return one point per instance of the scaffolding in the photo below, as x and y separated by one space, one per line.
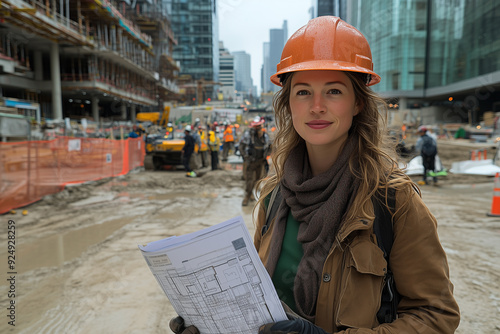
108 54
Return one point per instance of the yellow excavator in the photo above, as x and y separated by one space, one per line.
154 117
165 147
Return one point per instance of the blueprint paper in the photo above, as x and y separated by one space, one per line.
215 280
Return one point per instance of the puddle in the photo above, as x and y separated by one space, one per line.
54 250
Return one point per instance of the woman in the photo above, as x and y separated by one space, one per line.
331 160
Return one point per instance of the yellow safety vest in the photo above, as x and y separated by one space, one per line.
204 146
213 141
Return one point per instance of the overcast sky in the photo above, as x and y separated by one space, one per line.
244 25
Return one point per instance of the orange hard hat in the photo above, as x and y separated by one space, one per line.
326 43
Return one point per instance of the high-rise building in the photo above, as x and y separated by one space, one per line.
243 74
195 26
277 39
439 59
331 7
226 73
266 70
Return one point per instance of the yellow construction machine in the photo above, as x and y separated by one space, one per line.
154 117
164 149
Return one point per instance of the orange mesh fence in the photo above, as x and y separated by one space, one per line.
32 169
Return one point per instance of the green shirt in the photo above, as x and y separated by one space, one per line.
286 268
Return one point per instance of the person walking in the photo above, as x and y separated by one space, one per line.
187 151
254 147
228 140
336 174
427 147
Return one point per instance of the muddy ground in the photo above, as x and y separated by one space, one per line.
79 269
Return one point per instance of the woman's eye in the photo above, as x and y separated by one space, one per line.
302 92
334 91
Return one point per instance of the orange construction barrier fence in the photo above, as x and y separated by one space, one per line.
30 170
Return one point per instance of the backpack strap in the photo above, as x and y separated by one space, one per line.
271 209
383 229
382 226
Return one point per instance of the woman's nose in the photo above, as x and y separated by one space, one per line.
318 104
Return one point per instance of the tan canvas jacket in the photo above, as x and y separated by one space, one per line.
353 275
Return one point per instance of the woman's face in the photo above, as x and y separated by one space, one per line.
323 105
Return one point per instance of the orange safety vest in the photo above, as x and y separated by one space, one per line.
228 134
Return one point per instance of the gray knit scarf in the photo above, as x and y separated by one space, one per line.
318 203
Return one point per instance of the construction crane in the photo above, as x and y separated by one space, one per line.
200 84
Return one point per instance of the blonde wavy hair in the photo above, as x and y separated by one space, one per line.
374 155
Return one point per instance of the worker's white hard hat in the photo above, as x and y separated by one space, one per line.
188 128
257 121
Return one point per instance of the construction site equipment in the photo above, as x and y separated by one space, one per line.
154 117
164 150
200 86
495 204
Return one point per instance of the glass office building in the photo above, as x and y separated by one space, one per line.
431 52
464 41
195 26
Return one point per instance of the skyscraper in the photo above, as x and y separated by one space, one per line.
265 74
226 75
242 68
195 26
331 7
277 39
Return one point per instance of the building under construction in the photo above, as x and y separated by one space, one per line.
93 59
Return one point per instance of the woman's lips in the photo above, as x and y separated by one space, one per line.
317 125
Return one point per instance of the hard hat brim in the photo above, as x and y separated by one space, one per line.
315 65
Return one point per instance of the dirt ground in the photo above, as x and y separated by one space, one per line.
79 269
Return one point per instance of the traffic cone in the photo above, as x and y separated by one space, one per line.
495 205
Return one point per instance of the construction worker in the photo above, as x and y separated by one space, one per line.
228 141
134 132
170 131
203 151
187 151
427 147
254 147
214 147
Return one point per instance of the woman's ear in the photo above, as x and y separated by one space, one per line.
358 107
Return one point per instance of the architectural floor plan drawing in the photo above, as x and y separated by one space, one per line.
215 279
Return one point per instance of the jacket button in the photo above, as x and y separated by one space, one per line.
326 277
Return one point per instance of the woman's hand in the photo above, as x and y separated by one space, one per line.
177 326
296 326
